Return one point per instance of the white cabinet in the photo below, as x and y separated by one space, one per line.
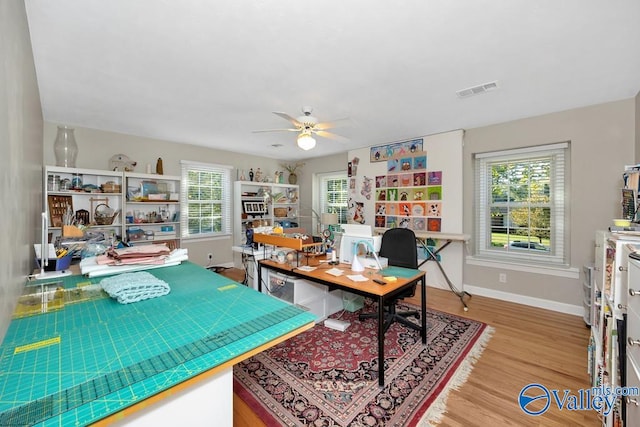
258 204
93 197
152 209
609 305
632 402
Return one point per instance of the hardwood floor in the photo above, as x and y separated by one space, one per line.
529 345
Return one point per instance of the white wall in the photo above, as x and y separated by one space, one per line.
444 153
21 159
602 142
95 148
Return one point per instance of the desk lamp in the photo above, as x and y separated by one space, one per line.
326 220
356 265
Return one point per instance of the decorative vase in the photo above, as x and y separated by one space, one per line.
65 147
293 178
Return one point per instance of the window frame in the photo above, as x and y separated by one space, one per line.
559 154
188 166
321 180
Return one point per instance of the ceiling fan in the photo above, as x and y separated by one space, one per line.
307 126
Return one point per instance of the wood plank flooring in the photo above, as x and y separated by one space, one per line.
530 345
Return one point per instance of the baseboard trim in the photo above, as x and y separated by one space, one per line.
575 310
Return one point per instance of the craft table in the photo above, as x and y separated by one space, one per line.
95 360
406 278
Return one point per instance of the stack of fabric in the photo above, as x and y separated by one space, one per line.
139 257
140 254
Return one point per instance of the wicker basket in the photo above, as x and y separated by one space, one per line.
280 212
104 215
110 187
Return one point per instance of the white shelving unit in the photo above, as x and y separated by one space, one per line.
252 209
609 304
633 344
152 209
83 190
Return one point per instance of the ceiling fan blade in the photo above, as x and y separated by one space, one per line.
330 135
276 130
287 117
333 123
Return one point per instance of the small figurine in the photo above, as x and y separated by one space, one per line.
251 174
258 175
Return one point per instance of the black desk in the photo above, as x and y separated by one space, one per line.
381 293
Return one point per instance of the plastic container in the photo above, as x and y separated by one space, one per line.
57 264
352 302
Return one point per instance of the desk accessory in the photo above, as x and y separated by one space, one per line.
339 325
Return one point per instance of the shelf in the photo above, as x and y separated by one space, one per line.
284 241
150 202
285 198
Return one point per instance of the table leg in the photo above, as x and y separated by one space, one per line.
433 256
423 294
259 277
381 341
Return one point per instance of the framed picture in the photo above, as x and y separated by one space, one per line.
254 208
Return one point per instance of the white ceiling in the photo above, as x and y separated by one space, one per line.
209 72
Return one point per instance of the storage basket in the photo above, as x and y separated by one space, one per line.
104 215
352 302
280 212
110 187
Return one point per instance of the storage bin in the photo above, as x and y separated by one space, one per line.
352 302
57 264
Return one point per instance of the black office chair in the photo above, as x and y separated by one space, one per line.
399 247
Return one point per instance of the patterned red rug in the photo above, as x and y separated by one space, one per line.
325 377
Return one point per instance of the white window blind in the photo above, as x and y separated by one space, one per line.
522 204
334 194
205 202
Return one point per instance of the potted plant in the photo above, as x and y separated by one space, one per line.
292 169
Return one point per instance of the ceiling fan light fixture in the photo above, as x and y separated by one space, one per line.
306 141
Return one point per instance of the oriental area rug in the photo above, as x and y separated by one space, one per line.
325 377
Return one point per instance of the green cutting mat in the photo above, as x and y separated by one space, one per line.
399 272
77 365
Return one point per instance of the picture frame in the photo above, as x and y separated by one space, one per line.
254 207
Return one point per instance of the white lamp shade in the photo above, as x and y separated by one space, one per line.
306 141
329 218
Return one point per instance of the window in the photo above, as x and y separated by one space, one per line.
205 207
520 195
334 194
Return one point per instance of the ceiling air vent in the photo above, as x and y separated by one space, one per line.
477 89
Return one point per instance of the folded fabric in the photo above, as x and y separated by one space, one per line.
139 251
133 287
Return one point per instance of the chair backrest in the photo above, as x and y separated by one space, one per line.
399 247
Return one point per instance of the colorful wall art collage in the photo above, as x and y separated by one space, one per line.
409 195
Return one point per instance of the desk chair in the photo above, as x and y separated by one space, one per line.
399 247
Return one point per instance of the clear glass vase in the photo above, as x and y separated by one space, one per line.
65 147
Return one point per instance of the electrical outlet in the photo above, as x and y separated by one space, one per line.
502 278
209 256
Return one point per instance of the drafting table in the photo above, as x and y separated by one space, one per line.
445 240
91 361
406 279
